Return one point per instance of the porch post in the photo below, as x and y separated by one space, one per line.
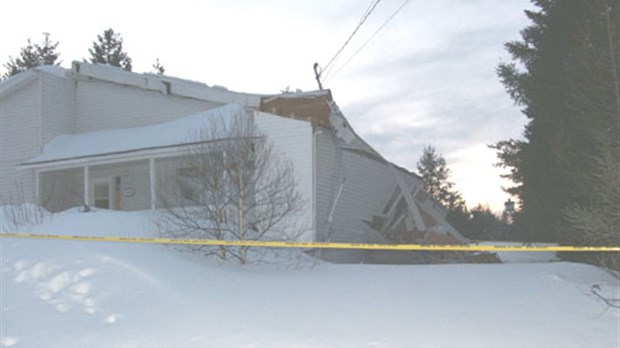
37 183
153 183
86 185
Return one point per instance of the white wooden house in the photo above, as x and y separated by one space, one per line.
107 137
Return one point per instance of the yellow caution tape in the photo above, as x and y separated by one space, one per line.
312 245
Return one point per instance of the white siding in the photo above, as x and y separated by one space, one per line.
58 106
103 105
61 190
293 138
368 184
134 177
365 184
20 140
329 174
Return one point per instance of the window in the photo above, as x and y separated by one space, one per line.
188 172
102 195
188 187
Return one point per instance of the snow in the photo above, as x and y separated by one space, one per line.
88 294
299 94
526 256
113 141
53 70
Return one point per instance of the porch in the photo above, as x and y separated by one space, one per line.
126 185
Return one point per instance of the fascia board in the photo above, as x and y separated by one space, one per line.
128 156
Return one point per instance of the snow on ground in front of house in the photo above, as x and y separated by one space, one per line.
89 294
523 256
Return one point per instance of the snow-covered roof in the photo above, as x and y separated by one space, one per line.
22 79
167 85
164 84
300 95
119 141
53 70
15 82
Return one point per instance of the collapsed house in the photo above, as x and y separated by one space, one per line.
108 138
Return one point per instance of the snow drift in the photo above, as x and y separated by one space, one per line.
87 294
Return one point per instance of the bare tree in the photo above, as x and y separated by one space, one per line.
231 185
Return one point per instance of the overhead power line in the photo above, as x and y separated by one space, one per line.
370 9
369 39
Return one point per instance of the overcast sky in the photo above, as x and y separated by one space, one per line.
427 78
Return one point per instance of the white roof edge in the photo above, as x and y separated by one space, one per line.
109 158
55 70
16 82
298 95
164 84
22 79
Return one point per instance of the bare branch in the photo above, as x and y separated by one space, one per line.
231 185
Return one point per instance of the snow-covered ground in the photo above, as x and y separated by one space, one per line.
88 294
525 256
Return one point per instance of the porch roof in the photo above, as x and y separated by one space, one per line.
132 142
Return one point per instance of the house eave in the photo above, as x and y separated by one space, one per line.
166 85
7 87
108 158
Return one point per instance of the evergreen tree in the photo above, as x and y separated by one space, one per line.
108 49
484 224
158 68
592 153
540 185
33 55
436 176
564 74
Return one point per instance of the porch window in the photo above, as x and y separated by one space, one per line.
102 195
188 186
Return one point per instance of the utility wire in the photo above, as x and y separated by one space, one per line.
369 39
332 62
370 9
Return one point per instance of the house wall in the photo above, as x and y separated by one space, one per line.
44 104
57 106
61 189
329 173
103 105
293 139
365 185
135 189
20 140
166 169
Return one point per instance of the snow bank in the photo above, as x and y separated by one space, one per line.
85 294
22 217
525 256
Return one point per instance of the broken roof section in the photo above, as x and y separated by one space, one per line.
318 108
313 107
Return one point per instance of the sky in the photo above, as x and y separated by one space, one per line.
426 78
